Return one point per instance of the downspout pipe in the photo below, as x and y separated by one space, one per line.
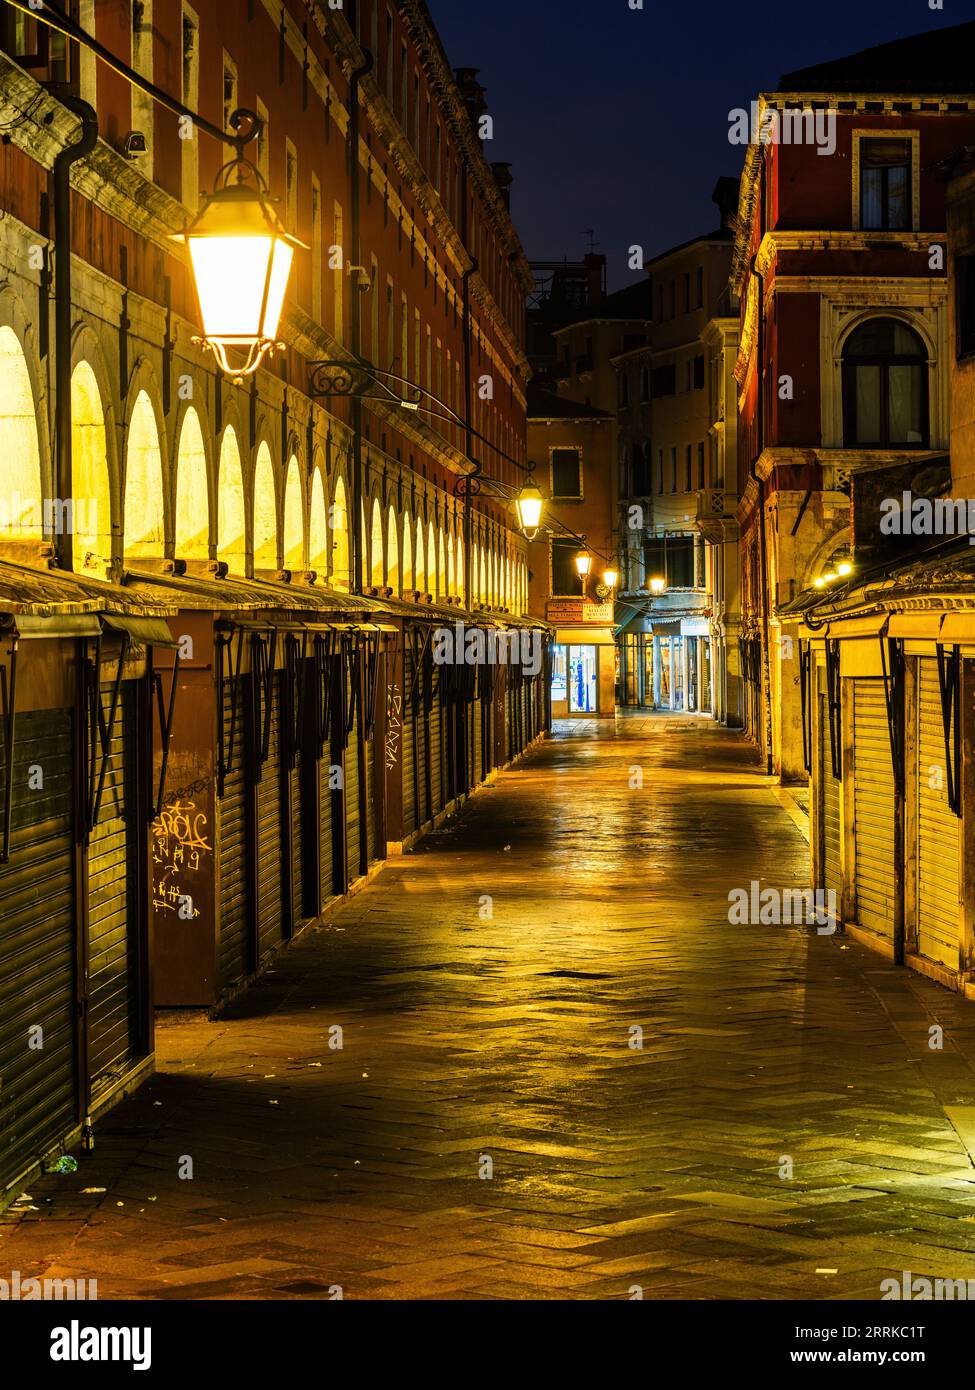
63 164
762 539
468 275
355 201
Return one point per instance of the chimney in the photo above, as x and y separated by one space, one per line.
725 195
504 180
472 93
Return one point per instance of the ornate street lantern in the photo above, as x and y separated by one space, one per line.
611 578
657 586
241 257
583 563
528 507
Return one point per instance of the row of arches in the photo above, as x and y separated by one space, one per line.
213 503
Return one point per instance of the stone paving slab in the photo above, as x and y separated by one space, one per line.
784 1114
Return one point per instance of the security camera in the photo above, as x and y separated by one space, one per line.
134 145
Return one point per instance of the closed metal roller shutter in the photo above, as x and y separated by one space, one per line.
37 914
829 791
232 852
477 739
874 809
436 754
295 830
113 917
938 831
371 796
352 817
410 779
270 904
325 797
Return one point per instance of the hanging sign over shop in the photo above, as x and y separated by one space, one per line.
579 611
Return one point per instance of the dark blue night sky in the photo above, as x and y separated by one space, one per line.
617 119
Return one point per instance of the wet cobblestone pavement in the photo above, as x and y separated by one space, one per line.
784 1131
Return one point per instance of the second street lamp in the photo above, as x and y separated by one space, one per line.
528 508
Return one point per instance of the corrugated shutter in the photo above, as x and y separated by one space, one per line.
352 817
232 852
113 917
477 739
409 742
270 902
829 793
295 831
325 795
436 754
37 913
938 831
874 809
371 796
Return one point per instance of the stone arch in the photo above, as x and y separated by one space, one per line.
143 519
408 573
21 484
420 560
294 518
339 528
392 552
231 510
265 513
318 525
20 321
192 511
91 489
433 579
375 550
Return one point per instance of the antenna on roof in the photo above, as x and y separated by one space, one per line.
593 243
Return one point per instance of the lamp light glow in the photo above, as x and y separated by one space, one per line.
611 578
583 563
657 586
241 257
528 507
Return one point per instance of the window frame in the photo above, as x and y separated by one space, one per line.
565 496
913 137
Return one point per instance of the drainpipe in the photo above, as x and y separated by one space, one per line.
762 541
356 204
82 147
468 386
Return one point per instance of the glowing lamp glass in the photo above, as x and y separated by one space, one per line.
611 578
844 568
528 506
583 564
657 586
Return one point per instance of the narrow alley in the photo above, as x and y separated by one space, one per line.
495 1125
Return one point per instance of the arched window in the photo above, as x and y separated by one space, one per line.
409 578
21 507
90 490
265 513
392 552
338 522
192 492
231 540
376 546
885 387
318 527
143 513
294 519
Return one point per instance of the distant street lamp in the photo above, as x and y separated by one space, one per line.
657 587
241 257
611 578
528 508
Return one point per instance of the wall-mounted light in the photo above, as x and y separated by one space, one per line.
611 578
528 507
657 586
241 257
